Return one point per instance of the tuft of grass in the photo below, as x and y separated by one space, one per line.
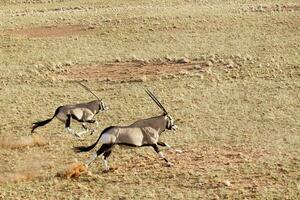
24 141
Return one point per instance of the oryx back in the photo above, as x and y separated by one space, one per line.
130 136
81 112
141 132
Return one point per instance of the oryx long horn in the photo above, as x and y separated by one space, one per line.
155 100
85 87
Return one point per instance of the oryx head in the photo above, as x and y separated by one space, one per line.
100 102
170 124
102 106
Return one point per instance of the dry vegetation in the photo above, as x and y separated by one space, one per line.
228 70
24 141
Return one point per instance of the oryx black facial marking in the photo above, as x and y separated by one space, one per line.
82 112
144 132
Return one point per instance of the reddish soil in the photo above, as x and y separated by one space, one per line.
54 31
128 71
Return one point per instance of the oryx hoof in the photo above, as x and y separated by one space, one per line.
106 170
92 132
169 164
178 151
79 137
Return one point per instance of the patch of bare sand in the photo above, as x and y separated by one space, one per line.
53 31
18 176
132 71
29 168
232 167
206 156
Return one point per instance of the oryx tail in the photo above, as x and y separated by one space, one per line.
42 123
88 148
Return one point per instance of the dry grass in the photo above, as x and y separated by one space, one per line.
27 168
53 31
18 176
24 141
131 71
229 71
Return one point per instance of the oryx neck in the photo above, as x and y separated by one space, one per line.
94 106
158 123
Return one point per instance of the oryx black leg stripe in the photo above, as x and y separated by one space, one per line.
104 148
84 126
91 121
155 147
76 118
161 144
107 154
157 150
68 121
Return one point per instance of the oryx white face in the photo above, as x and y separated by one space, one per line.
170 123
102 106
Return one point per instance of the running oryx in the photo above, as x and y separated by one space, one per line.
82 112
144 132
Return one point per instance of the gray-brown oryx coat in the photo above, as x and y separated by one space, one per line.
144 132
82 112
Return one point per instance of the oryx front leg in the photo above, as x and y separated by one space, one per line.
91 122
97 125
84 131
157 150
169 147
71 131
85 127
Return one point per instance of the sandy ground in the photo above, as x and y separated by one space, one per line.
228 72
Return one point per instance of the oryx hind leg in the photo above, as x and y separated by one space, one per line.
105 149
163 144
157 150
92 158
106 154
68 127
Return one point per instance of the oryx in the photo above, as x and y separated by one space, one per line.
144 132
82 112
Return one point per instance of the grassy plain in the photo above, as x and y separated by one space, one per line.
228 70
